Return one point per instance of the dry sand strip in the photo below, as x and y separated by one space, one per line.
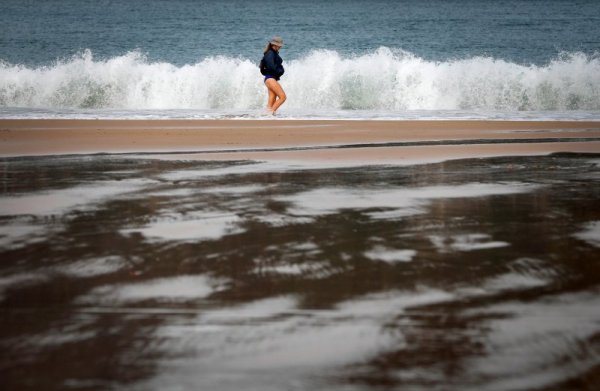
52 137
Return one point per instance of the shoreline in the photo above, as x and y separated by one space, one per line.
302 140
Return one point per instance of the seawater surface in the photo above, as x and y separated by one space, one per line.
344 58
478 274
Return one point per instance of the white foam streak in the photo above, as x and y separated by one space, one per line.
386 79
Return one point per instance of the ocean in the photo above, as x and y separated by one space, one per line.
379 59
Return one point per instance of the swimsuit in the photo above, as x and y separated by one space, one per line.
269 77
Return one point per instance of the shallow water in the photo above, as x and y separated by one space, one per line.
132 273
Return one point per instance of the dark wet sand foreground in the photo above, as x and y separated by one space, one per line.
131 273
155 272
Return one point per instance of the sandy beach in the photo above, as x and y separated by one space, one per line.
420 214
365 141
277 255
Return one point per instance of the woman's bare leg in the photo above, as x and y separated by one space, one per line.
275 87
271 100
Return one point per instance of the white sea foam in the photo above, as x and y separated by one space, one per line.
387 80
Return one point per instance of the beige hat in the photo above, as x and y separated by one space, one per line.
276 41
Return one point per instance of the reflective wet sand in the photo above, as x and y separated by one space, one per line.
126 272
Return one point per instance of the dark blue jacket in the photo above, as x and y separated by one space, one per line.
271 64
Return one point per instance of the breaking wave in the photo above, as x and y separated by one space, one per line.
385 79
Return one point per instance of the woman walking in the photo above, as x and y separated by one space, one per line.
271 68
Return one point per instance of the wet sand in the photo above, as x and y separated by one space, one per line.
468 260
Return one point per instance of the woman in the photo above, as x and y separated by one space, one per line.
271 68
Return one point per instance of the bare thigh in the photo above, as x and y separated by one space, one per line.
275 87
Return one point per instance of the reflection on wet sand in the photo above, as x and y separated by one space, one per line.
131 273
